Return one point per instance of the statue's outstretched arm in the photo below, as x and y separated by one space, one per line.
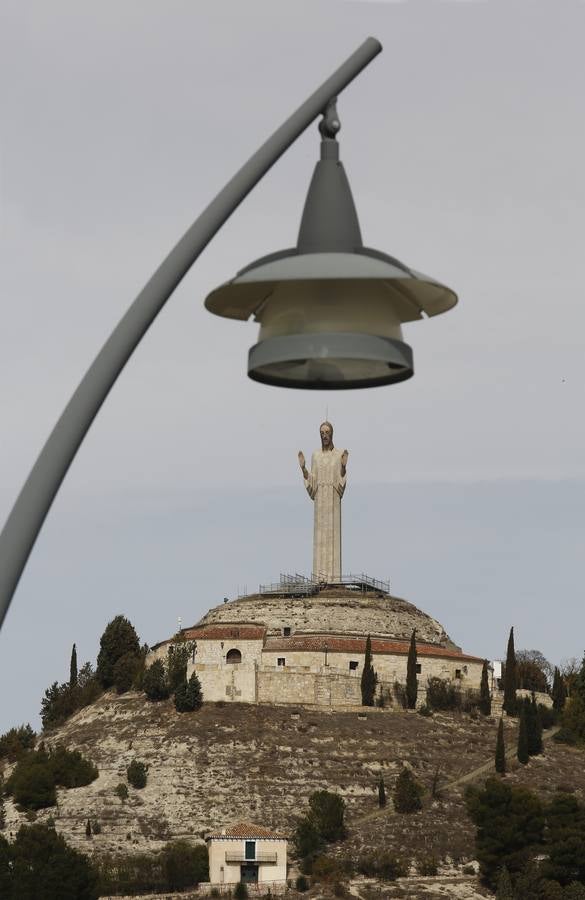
310 480
344 458
302 464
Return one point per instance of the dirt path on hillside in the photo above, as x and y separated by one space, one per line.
462 779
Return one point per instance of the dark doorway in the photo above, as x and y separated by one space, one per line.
233 656
249 874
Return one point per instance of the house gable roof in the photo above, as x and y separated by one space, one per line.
246 831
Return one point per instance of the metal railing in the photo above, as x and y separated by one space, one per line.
238 856
301 586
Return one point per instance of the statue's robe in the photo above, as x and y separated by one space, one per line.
325 486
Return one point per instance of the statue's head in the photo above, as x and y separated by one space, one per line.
326 432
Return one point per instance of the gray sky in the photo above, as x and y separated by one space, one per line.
464 145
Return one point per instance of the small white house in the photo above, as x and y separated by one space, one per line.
248 853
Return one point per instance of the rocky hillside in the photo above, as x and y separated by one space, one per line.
334 609
231 762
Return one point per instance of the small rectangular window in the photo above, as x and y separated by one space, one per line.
457 673
250 849
286 631
418 668
281 661
353 664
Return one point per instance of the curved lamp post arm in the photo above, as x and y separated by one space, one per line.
35 499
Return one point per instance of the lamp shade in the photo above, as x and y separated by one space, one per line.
330 310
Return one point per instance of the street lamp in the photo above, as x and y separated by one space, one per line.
329 310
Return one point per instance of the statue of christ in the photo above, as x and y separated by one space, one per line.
325 485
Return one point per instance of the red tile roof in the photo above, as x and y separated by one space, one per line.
245 831
335 644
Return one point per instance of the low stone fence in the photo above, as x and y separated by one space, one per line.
254 890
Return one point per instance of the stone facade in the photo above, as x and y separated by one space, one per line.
276 663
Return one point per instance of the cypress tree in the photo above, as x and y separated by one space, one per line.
369 678
500 750
559 691
522 751
88 829
485 700
534 727
381 793
73 668
411 679
510 705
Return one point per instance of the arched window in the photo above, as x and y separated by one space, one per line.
233 656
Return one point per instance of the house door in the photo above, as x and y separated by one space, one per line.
249 873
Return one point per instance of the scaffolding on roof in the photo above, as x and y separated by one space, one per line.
300 586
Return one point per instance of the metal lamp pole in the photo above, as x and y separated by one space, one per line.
34 501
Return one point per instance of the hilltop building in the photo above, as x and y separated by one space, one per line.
303 640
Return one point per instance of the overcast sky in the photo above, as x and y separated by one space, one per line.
464 145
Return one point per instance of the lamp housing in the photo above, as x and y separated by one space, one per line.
330 310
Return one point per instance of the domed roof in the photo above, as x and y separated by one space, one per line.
332 610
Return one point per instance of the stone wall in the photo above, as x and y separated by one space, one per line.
317 684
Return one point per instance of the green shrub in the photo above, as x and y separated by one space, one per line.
428 865
137 774
326 812
188 696
124 671
548 716
70 769
179 653
442 694
307 840
121 791
35 777
240 891
329 869
301 884
32 783
384 865
184 865
39 864
15 742
154 681
61 701
425 710
509 821
407 793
